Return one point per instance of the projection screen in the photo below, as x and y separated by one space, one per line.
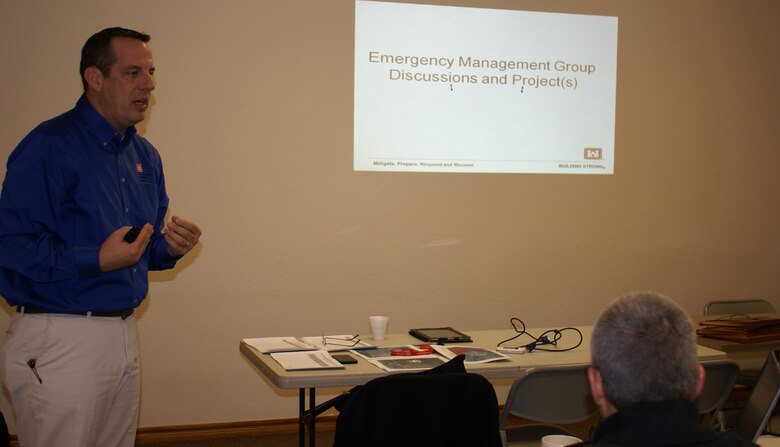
454 89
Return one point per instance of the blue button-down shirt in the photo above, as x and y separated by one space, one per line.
69 184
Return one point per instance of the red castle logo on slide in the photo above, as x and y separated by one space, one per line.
592 153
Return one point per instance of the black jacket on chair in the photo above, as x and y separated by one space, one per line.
435 408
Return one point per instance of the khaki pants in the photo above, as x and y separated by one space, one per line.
73 380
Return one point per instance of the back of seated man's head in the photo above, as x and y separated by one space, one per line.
644 347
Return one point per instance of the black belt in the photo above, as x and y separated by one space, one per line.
27 309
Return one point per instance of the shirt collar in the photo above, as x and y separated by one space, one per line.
674 422
109 137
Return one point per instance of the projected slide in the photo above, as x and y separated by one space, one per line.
453 89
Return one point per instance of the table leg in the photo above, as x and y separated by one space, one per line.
302 417
306 417
312 417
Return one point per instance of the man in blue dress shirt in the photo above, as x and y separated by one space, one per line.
74 187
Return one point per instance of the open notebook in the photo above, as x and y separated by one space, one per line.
762 401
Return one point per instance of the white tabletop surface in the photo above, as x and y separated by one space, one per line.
363 371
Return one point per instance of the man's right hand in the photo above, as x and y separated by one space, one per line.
116 254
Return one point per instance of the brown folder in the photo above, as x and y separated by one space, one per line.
742 328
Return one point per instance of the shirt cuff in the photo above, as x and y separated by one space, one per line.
87 261
164 260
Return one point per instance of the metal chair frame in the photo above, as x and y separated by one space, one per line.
719 381
750 306
549 397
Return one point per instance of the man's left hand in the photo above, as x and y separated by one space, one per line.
181 236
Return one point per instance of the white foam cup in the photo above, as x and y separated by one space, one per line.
559 440
378 325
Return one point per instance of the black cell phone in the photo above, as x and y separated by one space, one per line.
345 359
132 234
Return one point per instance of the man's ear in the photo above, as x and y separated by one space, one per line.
599 396
700 376
94 78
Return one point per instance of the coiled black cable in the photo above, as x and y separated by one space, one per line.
541 340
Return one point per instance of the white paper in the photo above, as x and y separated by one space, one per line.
473 355
278 344
289 344
295 361
408 363
382 358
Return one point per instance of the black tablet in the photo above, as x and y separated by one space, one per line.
440 335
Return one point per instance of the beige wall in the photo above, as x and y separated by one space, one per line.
253 117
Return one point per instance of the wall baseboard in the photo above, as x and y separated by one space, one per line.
149 436
227 430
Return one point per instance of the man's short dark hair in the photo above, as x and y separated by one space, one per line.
97 51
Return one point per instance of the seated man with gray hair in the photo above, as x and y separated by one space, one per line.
645 376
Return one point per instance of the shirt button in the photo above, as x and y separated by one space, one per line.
127 210
123 180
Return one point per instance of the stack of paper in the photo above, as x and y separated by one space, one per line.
473 355
295 361
742 328
288 344
383 357
300 353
